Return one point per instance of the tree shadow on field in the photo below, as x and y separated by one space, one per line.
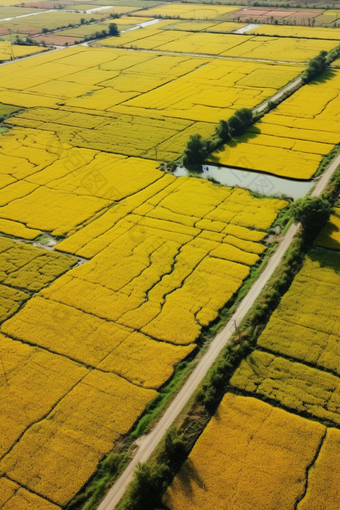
327 259
232 144
323 78
189 476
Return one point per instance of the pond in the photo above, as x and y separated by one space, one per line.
255 181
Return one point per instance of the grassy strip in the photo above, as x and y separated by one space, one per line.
155 408
152 478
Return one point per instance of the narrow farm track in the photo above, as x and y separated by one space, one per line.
150 442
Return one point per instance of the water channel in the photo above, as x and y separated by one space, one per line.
259 182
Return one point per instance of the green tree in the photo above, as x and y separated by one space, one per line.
235 126
312 213
195 151
316 67
113 29
223 131
246 117
175 449
146 487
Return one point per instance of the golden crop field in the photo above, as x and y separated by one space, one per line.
295 386
308 329
190 11
26 269
297 31
168 257
13 497
50 20
329 237
304 327
122 94
111 268
161 37
162 254
291 140
9 51
252 455
165 254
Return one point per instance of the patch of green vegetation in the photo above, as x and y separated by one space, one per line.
7 111
154 409
91 495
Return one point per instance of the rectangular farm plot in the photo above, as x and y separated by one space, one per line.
250 455
14 497
167 259
29 268
297 31
161 37
294 385
52 20
292 139
9 51
308 329
59 453
189 11
24 399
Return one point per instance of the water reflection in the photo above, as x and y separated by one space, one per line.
254 181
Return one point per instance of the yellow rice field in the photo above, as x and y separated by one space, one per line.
161 37
251 455
304 327
95 325
293 385
291 140
297 31
13 497
110 98
190 11
10 51
162 256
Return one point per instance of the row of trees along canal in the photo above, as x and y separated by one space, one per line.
198 148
